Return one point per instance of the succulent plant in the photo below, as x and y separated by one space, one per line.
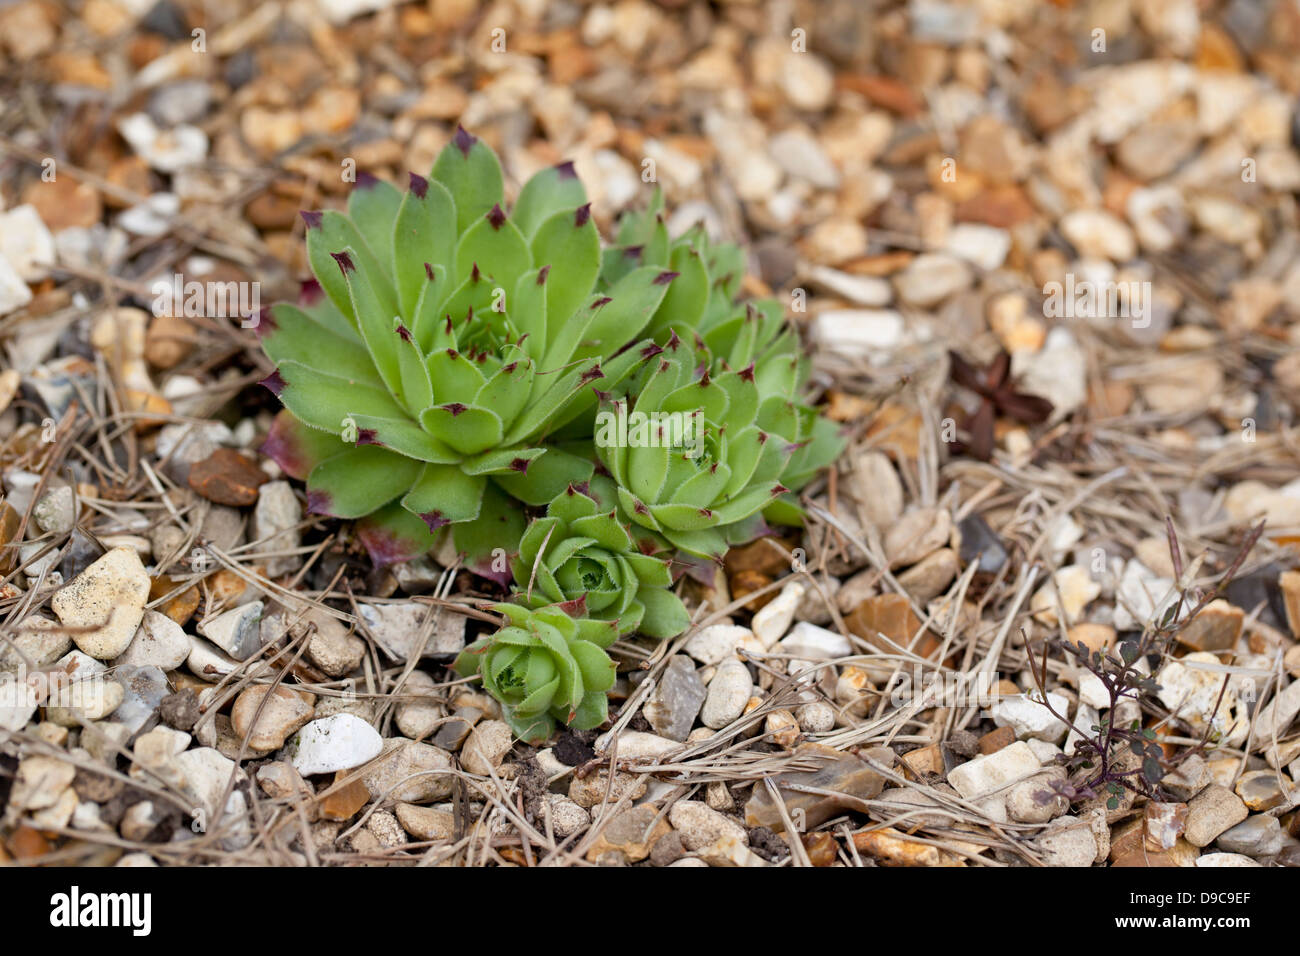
544 666
580 555
703 306
430 370
694 466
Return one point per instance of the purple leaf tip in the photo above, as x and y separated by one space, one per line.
419 186
275 382
434 520
495 217
565 170
464 141
312 219
664 278
345 262
581 215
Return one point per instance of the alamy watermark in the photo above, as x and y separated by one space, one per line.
1091 299
215 300
623 429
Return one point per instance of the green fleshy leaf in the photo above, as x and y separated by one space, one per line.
633 301
291 334
404 437
569 244
469 429
665 615
298 448
549 191
372 206
392 534
546 476
496 531
424 235
326 401
495 245
443 494
471 173
358 481
330 232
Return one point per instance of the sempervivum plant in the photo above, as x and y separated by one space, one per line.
694 466
430 371
581 556
544 666
703 306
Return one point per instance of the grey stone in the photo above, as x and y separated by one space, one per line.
676 701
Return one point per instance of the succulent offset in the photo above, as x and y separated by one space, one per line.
580 556
544 666
455 368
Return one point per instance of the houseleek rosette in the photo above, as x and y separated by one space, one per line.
581 556
431 370
544 666
704 307
690 462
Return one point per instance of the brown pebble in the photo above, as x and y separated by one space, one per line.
995 740
228 478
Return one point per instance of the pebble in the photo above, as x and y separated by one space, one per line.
335 743
1193 692
918 533
208 663
985 247
729 691
875 485
774 619
426 823
816 718
858 332
991 772
25 243
590 790
237 631
92 699
1096 234
812 643
715 643
932 277
486 747
406 772
108 598
143 691
632 832
676 700
18 703
1213 811
396 628
565 816
1033 800
860 290
285 710
1029 717
159 642
802 157
1068 843
930 576
421 714
166 150
275 521
848 779
1140 595
1057 372
1257 836
1225 859
14 292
